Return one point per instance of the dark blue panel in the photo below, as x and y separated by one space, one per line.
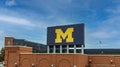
78 34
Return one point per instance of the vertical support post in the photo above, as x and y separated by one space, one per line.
48 49
74 49
67 49
82 49
54 49
60 48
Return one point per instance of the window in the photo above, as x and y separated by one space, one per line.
8 42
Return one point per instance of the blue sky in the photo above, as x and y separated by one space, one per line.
29 19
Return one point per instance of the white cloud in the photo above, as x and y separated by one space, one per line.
110 27
114 17
10 2
113 21
104 34
57 22
15 20
1 33
114 10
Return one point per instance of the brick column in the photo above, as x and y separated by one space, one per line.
12 55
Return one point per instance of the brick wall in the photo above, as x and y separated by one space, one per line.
10 40
23 57
12 54
57 60
104 61
16 56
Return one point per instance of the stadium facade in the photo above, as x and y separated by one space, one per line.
64 49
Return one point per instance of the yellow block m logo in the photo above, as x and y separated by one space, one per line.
67 35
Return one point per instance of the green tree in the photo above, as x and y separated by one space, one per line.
2 54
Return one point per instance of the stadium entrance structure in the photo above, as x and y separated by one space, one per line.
59 41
